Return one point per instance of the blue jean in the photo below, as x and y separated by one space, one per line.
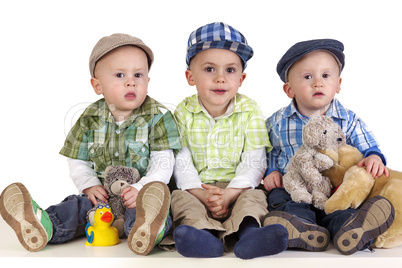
280 200
69 219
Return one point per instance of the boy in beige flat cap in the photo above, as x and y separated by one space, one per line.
125 128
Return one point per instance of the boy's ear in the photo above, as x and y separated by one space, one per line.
96 86
288 90
339 85
243 76
189 77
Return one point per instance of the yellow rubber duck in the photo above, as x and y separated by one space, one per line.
101 233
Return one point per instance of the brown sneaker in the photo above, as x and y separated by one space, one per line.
302 234
153 203
372 219
30 223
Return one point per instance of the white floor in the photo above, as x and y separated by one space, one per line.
75 252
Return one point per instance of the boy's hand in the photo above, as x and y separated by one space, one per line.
273 180
129 195
96 192
229 196
374 166
215 201
210 196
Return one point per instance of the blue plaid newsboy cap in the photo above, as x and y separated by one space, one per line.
218 35
300 49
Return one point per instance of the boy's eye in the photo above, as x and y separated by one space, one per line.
307 76
209 69
120 75
325 75
230 70
138 75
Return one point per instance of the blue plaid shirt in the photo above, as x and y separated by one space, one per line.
285 133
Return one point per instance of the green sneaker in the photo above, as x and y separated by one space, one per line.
161 231
30 223
153 203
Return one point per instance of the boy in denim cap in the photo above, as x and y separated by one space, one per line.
223 158
125 128
311 73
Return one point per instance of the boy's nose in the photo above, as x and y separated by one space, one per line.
220 77
130 82
318 82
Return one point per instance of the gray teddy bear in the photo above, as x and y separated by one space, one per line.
303 180
117 178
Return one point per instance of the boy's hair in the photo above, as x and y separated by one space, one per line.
108 43
300 49
218 35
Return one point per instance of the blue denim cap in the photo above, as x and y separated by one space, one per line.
218 35
302 48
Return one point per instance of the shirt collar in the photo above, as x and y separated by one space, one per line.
239 104
335 110
290 110
100 109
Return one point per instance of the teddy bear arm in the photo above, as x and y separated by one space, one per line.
296 187
303 164
355 188
349 156
331 153
323 162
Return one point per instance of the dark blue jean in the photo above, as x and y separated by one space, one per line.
280 200
69 219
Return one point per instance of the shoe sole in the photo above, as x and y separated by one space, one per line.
17 210
374 218
152 208
301 235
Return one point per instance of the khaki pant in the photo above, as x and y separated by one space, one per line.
189 210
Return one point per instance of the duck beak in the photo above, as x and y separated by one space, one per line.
107 217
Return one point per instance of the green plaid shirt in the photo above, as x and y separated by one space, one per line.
97 138
216 146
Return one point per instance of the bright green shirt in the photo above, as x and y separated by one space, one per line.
96 137
216 145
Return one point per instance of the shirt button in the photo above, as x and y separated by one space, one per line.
118 131
116 154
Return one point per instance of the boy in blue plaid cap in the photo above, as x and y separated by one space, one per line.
311 73
223 158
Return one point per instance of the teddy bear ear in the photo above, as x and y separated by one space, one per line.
136 175
108 168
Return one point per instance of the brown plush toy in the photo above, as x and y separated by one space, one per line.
303 180
354 186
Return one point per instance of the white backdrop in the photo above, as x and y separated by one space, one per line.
45 46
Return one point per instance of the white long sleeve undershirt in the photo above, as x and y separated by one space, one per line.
249 172
160 169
